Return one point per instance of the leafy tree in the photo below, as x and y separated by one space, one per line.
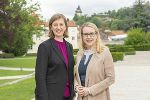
80 19
137 16
136 36
96 21
76 17
17 26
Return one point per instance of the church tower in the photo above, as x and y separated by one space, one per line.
78 11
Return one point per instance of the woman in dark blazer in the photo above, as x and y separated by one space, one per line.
55 63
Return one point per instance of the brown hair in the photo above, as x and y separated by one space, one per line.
54 18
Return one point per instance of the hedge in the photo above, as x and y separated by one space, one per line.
7 55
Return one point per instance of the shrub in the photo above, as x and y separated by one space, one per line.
145 47
7 55
117 56
127 49
136 37
75 51
148 37
31 54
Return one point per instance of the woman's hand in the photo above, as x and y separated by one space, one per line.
86 91
82 91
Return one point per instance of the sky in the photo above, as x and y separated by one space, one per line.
68 7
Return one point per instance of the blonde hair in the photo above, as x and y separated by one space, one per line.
99 45
54 18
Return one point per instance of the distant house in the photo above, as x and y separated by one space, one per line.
73 34
118 35
38 40
105 35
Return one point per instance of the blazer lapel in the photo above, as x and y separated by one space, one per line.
91 64
77 66
69 53
57 50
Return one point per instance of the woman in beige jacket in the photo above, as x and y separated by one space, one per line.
94 69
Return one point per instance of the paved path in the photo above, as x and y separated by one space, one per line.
15 77
21 78
132 78
23 69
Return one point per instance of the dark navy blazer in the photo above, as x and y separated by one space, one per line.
51 71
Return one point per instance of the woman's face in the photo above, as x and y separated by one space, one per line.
58 28
89 37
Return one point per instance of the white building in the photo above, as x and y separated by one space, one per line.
37 41
73 34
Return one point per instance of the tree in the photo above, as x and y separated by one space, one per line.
96 20
76 17
136 36
17 26
140 15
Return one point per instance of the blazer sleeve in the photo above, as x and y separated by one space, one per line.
75 79
40 72
109 75
75 73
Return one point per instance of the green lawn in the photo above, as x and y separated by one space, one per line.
24 62
5 81
12 72
23 90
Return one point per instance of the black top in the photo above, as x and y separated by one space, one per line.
82 68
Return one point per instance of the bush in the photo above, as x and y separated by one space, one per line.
75 51
148 37
127 49
145 47
7 55
136 37
31 54
117 56
130 53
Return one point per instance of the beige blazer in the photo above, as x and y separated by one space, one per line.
99 75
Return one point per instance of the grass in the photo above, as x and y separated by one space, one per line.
24 62
5 81
12 72
23 90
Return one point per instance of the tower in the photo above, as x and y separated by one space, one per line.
78 11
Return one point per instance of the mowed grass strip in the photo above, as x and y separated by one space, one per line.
5 81
13 72
26 62
23 90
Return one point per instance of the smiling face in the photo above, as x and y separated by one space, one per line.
58 27
89 37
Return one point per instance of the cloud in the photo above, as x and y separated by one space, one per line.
68 7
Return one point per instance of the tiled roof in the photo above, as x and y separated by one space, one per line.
118 32
71 24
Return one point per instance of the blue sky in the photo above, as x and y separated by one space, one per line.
68 7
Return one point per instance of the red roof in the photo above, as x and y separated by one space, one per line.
117 32
71 24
